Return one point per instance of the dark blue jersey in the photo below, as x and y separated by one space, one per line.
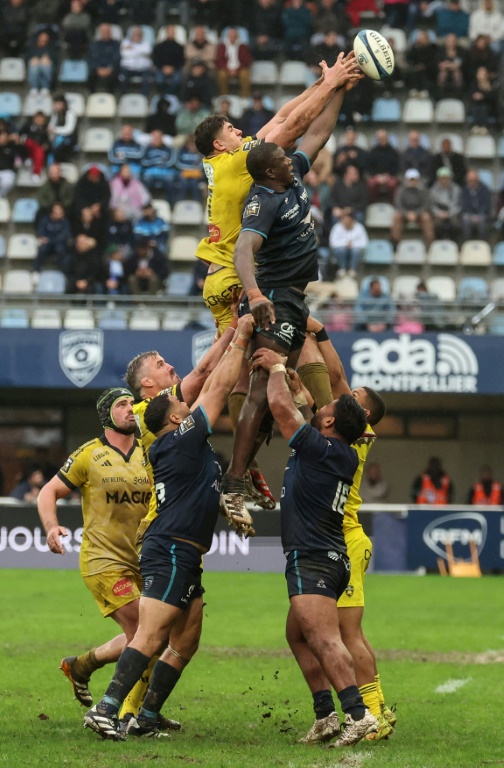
288 255
187 479
317 480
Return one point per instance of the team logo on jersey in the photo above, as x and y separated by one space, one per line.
209 173
81 355
249 144
349 591
186 425
68 463
252 208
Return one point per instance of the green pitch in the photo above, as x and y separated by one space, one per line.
242 701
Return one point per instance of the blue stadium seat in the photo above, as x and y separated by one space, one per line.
472 289
496 325
24 210
498 254
386 111
51 281
2 247
14 318
179 284
113 320
500 147
379 252
73 71
10 104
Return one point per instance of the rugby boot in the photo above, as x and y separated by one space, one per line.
384 730
353 731
79 684
232 505
106 726
166 724
389 714
257 489
148 729
322 730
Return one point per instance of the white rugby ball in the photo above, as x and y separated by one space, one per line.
374 55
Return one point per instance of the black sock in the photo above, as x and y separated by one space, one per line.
128 671
351 702
323 704
163 681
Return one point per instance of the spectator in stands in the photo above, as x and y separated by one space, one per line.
41 58
447 158
86 272
256 116
383 167
146 269
126 149
191 115
55 189
29 487
200 82
152 227
103 61
62 129
297 21
91 225
373 488
451 19
374 309
416 156
158 166
421 59
168 59
347 241
486 490
77 29
9 157
120 232
200 47
115 273
233 60
331 15
128 193
265 29
350 153
162 119
225 107
359 102
451 66
327 50
483 101
486 20
476 207
135 62
53 237
14 27
190 174
46 12
433 486
34 137
396 13
411 205
430 309
92 191
349 191
445 200
110 11
481 55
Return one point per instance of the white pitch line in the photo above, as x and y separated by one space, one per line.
452 685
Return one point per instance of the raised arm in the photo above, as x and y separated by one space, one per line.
46 503
337 376
246 247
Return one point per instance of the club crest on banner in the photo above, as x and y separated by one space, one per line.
81 355
201 343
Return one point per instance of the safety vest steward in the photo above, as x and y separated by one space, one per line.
493 499
429 494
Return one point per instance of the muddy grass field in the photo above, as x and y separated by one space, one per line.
242 701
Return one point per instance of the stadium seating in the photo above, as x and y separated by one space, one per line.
46 318
17 281
397 37
133 105
450 111
14 318
163 209
78 319
379 252
386 111
379 216
175 319
181 34
12 70
37 102
410 252
443 253
113 320
346 287
101 106
480 148
294 73
183 248
116 32
496 324
5 210
486 177
2 246
51 281
144 320
97 140
179 284
497 289
237 105
500 147
243 35
76 102
70 172
455 138
472 289
22 246
365 282
187 213
498 254
10 104
404 287
416 111
148 33
73 71
475 253
443 287
24 210
264 73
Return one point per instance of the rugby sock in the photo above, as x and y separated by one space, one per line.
370 698
323 704
128 671
351 702
86 664
235 402
163 681
135 697
381 697
315 377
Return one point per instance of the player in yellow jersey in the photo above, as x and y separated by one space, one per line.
111 475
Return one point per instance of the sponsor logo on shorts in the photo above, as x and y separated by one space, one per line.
321 584
188 595
123 587
285 332
349 590
147 583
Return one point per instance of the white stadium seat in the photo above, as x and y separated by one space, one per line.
418 111
133 105
475 253
443 253
187 213
46 318
481 148
12 70
78 319
22 246
97 140
410 252
183 248
144 320
77 102
450 111
379 215
163 209
404 287
17 281
443 287
264 73
294 73
101 106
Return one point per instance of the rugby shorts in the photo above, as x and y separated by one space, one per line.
291 315
359 549
317 573
113 589
217 295
171 571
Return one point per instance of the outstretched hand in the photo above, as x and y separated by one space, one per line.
265 358
344 73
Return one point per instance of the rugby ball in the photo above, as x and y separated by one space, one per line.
374 55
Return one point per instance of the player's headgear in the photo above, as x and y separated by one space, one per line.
104 406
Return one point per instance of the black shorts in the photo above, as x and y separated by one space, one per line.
317 573
291 315
171 571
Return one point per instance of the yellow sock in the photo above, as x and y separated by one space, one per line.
315 377
235 402
370 698
381 697
135 697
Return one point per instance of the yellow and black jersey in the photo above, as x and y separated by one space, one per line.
228 185
363 445
116 491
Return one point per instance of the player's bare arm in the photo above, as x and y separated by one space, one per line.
261 308
337 376
281 404
46 503
302 399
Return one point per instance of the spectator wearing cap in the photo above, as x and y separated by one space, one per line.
416 156
136 61
200 82
445 203
265 29
255 116
158 171
115 281
233 60
126 149
103 61
190 174
55 189
447 158
128 193
153 227
383 167
476 207
168 59
191 115
347 242
199 47
146 269
412 203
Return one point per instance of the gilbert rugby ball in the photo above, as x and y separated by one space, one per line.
374 55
